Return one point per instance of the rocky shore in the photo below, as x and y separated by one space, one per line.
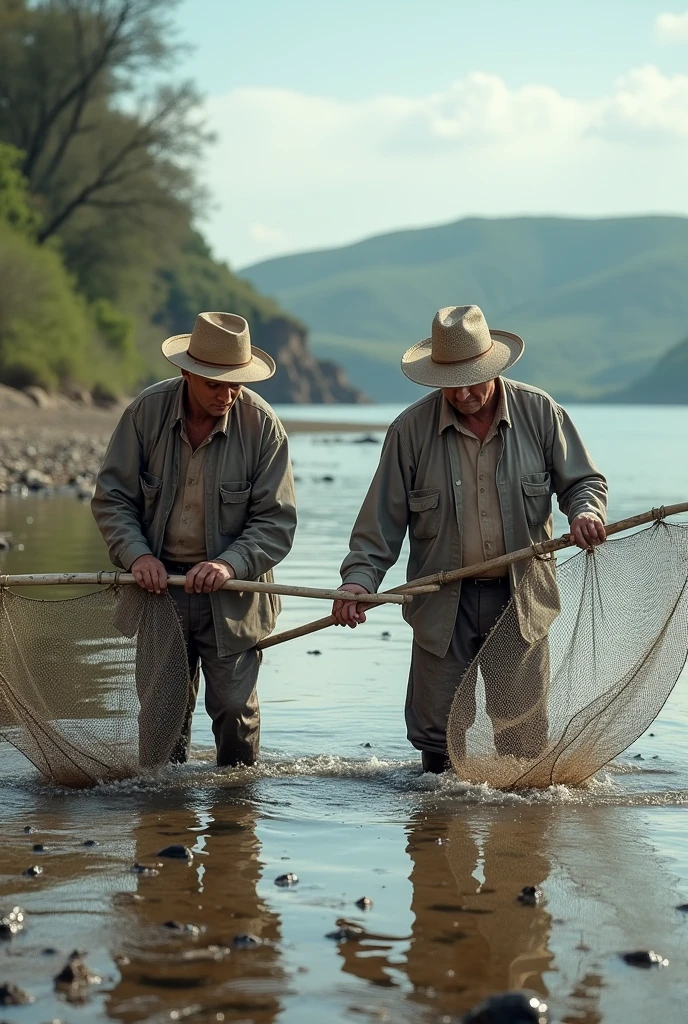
49 443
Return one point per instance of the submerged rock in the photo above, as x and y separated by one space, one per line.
347 933
12 995
38 848
145 869
365 903
510 1008
75 978
176 852
29 829
32 872
246 940
89 842
182 929
644 958
12 923
530 895
286 880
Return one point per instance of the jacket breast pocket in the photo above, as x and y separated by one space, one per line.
424 505
151 487
234 495
537 497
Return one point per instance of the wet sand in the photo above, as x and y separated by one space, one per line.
442 861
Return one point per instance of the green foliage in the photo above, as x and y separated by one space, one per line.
95 123
47 334
44 325
596 300
15 205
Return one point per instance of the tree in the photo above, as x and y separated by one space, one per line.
68 100
15 206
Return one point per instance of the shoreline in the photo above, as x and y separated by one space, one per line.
48 449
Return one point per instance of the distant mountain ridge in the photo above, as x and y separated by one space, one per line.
597 301
665 384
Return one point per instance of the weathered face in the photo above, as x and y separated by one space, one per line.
214 397
470 401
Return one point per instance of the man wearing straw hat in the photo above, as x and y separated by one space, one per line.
197 481
469 471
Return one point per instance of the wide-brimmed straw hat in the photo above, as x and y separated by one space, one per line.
219 347
461 351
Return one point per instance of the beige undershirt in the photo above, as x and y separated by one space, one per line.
184 539
481 525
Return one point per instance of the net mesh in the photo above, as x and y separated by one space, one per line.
560 694
94 688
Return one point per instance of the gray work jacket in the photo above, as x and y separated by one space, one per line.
250 510
417 487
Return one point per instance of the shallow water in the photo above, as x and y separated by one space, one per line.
441 860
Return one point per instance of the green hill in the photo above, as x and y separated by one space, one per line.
597 301
665 384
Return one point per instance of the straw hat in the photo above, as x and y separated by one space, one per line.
219 347
462 350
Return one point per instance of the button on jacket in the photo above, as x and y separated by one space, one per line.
250 512
418 487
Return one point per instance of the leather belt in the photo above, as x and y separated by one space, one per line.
487 581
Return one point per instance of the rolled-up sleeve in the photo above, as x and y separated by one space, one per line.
117 503
269 532
579 485
381 524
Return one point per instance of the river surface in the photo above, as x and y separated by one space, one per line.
338 799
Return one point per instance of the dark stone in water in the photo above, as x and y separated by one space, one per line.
33 872
185 929
510 1008
314 652
246 941
346 933
38 848
176 852
683 907
12 923
89 842
530 895
12 995
386 635
644 958
74 978
327 479
286 880
49 951
145 869
28 829
368 746
638 757
365 903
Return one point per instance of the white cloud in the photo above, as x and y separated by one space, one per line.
296 171
672 28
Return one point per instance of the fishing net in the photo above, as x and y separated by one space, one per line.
95 688
578 666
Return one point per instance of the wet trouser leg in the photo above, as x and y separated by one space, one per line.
433 681
231 697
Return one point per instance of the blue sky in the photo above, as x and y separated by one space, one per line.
337 120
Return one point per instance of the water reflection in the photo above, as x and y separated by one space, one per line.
162 971
470 936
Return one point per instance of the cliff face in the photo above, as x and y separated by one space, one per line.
300 377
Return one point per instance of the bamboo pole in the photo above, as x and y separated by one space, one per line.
108 579
442 578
